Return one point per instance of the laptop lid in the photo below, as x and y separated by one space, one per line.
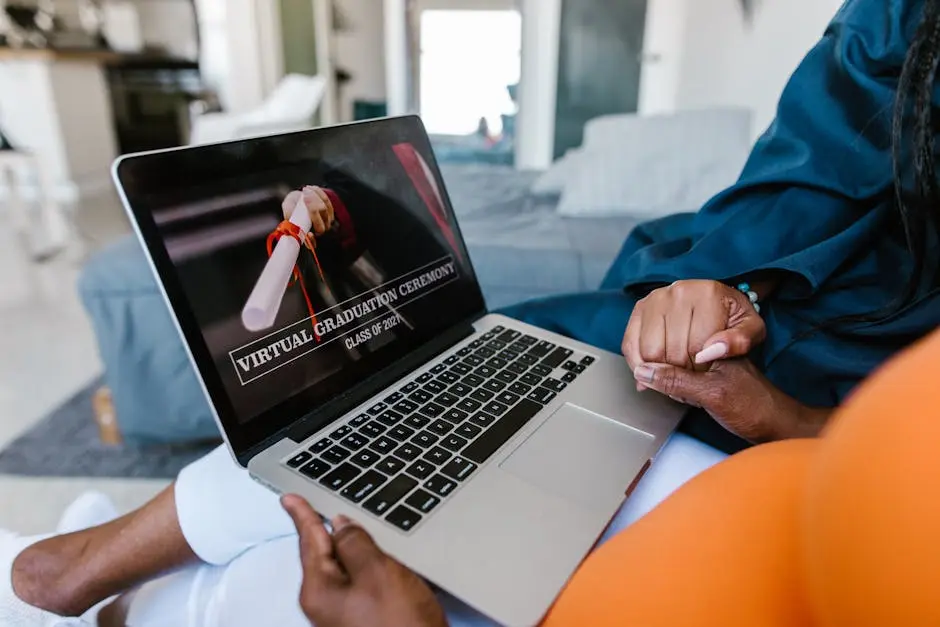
284 327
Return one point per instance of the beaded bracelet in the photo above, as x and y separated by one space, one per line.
745 288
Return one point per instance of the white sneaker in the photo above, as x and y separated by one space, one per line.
13 611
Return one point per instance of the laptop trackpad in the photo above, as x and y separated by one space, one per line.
581 456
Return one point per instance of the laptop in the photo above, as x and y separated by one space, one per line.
327 299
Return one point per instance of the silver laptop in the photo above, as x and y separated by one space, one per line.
326 297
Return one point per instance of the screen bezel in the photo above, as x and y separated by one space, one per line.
250 437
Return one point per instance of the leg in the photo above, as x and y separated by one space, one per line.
598 318
214 512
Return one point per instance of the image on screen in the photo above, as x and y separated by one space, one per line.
313 265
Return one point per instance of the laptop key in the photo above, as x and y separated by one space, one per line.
528 360
530 379
449 377
321 446
340 476
390 466
501 432
455 416
507 398
409 388
508 355
453 442
359 420
569 377
425 439
433 410
469 431
365 458
482 395
554 384
497 363
376 409
458 469
299 459
439 368
461 369
315 469
587 360
362 487
476 343
469 405
420 396
440 427
390 417
342 432
424 378
485 353
485 371
440 485
528 340
540 370
420 469
336 454
473 360
542 349
373 429
408 452
437 456
447 399
482 419
394 491
354 441
383 445
453 359
541 395
406 407
520 388
463 352
496 344
519 346
517 367
496 408
422 501
404 518
510 335
434 387
557 357
401 433
505 377
473 380
417 421
394 398
460 389
494 385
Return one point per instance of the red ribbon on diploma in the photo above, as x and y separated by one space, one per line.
290 229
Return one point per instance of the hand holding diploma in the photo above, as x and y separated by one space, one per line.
307 213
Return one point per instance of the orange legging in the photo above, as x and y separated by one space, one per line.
840 531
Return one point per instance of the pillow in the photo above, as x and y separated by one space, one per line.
552 181
658 165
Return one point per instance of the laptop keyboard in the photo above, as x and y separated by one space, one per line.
402 457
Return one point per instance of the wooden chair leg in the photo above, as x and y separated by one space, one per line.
106 418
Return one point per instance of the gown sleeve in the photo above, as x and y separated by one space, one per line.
818 186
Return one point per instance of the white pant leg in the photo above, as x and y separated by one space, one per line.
229 519
223 512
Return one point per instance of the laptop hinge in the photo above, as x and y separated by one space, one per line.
338 407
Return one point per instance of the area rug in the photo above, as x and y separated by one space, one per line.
66 444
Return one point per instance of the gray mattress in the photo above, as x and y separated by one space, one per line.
520 247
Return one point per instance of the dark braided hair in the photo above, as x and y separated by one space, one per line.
918 201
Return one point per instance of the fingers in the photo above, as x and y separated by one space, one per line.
328 204
290 203
653 339
680 384
631 344
316 546
737 341
354 547
316 209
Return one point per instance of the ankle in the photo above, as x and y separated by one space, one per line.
44 576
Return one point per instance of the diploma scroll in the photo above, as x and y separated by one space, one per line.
265 299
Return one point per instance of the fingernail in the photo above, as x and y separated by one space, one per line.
644 374
340 522
713 352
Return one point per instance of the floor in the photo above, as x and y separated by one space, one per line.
47 353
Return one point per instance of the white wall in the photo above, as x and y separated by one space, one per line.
726 61
535 127
360 50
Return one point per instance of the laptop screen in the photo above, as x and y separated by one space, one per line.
301 264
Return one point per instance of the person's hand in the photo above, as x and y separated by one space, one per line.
349 582
318 206
691 324
737 396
